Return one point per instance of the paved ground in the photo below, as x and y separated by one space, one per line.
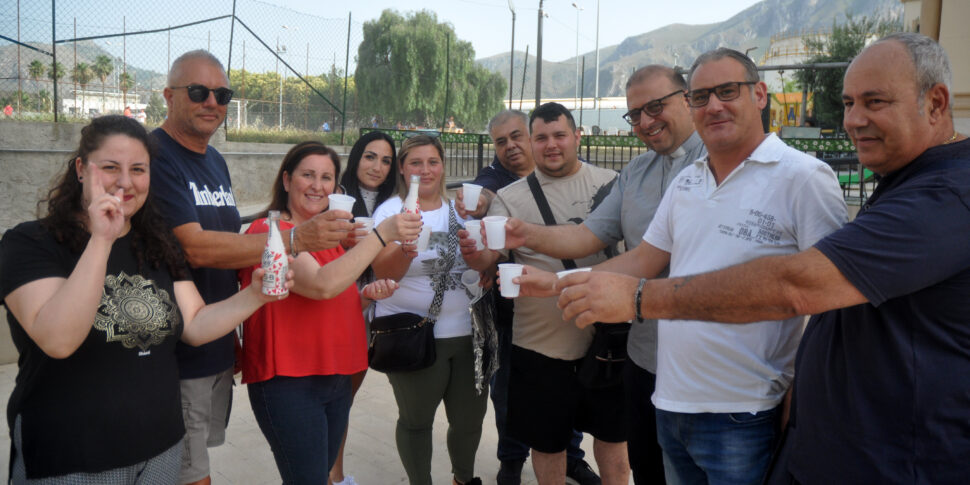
371 454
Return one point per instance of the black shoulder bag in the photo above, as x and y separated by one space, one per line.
404 342
603 363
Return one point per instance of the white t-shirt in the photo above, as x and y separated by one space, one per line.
416 292
778 201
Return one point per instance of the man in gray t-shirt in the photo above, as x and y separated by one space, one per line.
660 117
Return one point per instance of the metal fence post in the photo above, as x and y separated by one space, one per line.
343 111
481 153
54 51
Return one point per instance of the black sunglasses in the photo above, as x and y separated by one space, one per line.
652 108
699 98
199 93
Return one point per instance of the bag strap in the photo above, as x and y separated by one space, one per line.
545 210
439 280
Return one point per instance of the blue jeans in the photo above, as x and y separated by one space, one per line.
303 419
717 448
510 449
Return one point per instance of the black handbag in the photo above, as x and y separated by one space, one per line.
401 342
404 342
603 363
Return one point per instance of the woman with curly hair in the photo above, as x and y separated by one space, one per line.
98 293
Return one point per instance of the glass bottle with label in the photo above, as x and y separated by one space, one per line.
274 259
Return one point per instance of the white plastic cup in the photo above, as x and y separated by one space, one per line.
562 274
368 225
469 195
474 229
470 279
495 231
341 202
424 239
507 271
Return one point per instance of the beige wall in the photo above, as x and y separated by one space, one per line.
951 17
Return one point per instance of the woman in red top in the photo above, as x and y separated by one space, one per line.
298 357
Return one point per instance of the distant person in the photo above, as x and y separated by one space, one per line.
97 294
128 111
141 116
373 121
450 126
194 194
325 127
8 110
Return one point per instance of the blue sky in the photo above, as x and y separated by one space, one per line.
487 24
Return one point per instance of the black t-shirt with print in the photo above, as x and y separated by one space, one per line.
114 401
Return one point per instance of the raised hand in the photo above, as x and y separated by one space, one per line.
324 230
597 296
478 213
536 282
400 227
380 289
106 217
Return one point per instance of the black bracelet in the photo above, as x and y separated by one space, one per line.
639 299
379 238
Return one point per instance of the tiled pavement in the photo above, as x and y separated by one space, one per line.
371 456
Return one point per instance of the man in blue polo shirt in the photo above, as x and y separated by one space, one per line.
881 377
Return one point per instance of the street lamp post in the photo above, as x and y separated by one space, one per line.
511 53
539 58
578 9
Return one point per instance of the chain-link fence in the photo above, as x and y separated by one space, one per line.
288 69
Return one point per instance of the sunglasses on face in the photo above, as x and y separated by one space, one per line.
699 98
199 93
652 108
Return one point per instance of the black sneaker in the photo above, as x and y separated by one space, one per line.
581 472
473 481
510 472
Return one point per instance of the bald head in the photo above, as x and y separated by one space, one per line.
177 72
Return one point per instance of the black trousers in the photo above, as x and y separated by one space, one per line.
646 457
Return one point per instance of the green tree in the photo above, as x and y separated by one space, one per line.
125 83
402 65
82 74
102 68
55 71
44 100
156 108
36 69
845 42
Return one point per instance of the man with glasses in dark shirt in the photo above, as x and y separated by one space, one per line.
191 186
720 387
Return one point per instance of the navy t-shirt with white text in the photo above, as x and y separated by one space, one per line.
192 187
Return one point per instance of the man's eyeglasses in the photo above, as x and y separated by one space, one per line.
199 93
652 108
698 98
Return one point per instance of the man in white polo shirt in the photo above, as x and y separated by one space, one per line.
720 387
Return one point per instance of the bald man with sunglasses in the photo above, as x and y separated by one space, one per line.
191 186
720 387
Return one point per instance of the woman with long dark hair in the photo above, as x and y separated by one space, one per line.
299 354
98 294
369 180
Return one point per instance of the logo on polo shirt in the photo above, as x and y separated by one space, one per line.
218 198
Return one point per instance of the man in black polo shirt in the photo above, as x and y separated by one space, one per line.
882 376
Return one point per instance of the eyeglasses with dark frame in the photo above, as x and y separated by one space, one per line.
698 98
652 108
199 93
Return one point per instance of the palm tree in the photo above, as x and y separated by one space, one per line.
36 69
125 82
55 72
43 100
102 68
82 75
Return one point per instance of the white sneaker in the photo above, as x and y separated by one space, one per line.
348 480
